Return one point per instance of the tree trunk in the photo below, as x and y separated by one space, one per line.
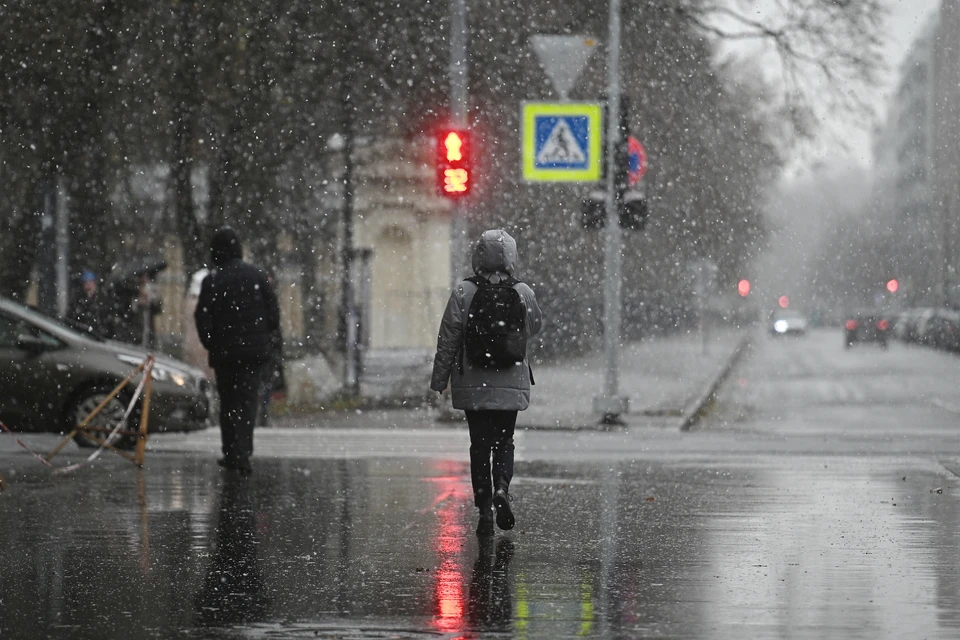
185 110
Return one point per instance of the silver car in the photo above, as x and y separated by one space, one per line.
53 376
787 321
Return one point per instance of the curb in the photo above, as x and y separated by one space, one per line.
694 411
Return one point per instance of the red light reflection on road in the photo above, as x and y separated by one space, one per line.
449 578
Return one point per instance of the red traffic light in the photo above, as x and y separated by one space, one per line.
743 288
453 145
784 302
893 285
454 175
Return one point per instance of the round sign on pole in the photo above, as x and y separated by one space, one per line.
637 165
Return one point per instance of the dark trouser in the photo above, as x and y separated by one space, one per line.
490 432
239 388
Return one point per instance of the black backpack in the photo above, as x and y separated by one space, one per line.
495 335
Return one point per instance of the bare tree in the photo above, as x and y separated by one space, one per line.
827 50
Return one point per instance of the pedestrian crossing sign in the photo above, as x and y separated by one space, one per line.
562 141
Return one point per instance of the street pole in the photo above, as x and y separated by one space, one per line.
610 404
348 310
459 72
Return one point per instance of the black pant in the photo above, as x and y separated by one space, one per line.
239 388
490 432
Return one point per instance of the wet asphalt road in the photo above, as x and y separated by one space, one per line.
817 500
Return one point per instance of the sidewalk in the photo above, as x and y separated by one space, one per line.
668 380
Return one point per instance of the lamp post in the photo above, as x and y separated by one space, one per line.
459 72
610 404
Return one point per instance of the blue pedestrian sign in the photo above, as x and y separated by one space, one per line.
562 142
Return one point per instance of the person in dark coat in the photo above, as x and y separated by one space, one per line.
237 314
491 398
87 310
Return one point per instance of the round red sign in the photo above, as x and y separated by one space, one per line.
637 165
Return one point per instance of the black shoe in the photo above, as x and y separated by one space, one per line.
485 524
501 501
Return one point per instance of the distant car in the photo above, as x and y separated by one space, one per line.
942 330
905 325
53 376
921 332
787 321
865 325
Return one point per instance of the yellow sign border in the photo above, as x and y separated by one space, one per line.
594 114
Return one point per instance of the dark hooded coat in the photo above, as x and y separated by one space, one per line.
237 309
475 387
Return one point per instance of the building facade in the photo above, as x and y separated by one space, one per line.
945 147
401 235
903 174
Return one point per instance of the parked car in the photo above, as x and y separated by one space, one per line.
943 330
921 330
904 326
787 321
53 376
911 324
865 325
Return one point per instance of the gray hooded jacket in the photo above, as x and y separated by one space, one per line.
494 258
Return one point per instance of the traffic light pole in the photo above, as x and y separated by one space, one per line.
610 404
459 71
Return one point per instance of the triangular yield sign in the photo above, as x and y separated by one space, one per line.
563 58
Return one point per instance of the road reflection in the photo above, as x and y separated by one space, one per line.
490 604
448 542
233 588
316 548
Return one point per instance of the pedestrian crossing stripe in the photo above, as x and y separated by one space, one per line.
561 142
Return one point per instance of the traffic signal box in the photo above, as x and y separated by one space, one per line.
454 171
631 203
633 210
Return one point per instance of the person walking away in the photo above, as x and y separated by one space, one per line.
87 310
192 351
237 311
481 350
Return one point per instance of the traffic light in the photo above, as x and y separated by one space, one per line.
632 200
633 210
593 210
743 288
893 286
454 172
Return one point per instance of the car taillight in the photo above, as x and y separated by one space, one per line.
851 325
882 325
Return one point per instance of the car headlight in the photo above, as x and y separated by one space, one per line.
161 373
780 326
